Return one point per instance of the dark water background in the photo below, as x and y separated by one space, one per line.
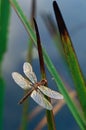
75 18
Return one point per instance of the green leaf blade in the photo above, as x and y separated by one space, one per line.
71 58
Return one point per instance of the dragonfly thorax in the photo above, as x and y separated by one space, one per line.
41 83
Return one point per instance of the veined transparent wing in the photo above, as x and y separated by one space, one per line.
21 81
27 68
50 93
41 100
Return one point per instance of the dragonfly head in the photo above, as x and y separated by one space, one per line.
43 82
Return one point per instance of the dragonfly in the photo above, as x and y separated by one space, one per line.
37 90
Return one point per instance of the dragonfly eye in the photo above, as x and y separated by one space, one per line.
43 81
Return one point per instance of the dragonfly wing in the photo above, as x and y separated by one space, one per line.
21 81
41 100
27 68
50 93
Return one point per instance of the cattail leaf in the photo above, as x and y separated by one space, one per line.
49 114
4 22
71 58
24 120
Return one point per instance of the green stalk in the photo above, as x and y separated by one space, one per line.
81 122
71 59
24 122
4 21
